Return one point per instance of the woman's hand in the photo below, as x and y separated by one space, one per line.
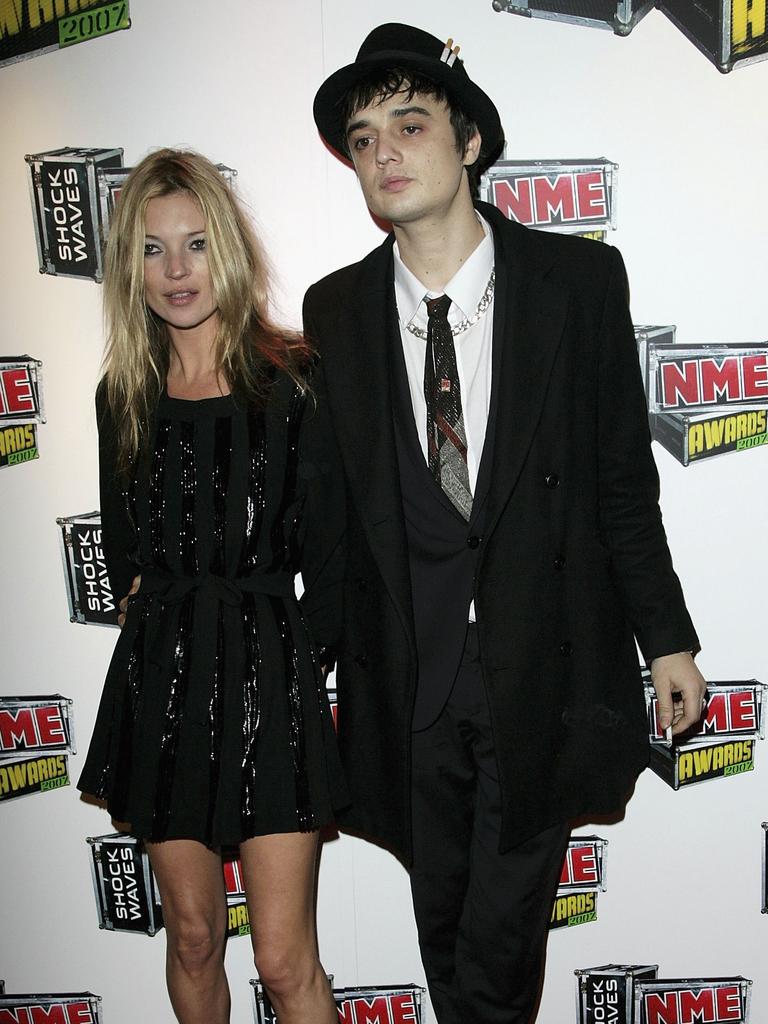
123 605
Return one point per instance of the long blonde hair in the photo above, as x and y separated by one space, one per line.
137 350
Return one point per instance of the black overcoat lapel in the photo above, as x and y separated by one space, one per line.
531 317
359 383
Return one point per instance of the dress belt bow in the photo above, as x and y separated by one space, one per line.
172 588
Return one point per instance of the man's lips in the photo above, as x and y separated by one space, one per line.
181 297
395 184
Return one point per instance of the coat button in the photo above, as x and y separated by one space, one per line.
473 542
361 583
559 562
566 649
552 480
361 660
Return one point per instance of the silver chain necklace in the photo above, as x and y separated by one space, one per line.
483 304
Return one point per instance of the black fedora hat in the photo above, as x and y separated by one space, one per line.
402 46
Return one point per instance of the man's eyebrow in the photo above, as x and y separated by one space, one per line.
354 126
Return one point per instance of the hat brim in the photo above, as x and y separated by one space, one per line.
459 87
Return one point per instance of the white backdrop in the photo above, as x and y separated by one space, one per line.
235 79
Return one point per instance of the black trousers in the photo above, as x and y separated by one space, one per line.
482 916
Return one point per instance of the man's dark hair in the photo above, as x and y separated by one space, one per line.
382 83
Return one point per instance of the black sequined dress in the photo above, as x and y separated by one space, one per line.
214 722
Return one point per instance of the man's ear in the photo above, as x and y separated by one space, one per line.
472 152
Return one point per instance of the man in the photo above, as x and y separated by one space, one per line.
504 545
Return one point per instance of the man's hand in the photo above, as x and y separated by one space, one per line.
677 673
123 605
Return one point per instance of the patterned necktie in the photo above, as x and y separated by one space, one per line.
446 437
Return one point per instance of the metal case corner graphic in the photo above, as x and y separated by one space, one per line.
89 592
607 993
731 33
567 196
620 16
31 1008
65 200
692 1000
127 898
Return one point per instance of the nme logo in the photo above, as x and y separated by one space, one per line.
233 878
729 713
713 1005
17 392
581 867
78 1012
385 1009
703 381
32 728
540 200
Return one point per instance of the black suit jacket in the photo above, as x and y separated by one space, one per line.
573 563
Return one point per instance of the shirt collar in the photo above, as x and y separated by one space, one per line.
465 288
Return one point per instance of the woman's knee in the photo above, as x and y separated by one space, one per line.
283 969
195 943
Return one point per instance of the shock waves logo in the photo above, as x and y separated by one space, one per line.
81 1008
126 893
89 591
65 201
581 878
570 196
606 994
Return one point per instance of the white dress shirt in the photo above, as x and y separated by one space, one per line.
474 347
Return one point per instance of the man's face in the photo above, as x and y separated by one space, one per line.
404 152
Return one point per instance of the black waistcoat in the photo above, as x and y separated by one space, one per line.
443 549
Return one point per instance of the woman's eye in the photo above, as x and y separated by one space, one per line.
198 245
150 249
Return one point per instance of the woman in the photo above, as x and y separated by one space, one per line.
214 727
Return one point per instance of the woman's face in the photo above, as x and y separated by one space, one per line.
177 278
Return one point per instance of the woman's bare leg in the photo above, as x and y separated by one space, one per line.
191 883
279 875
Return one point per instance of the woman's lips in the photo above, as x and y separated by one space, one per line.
181 298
